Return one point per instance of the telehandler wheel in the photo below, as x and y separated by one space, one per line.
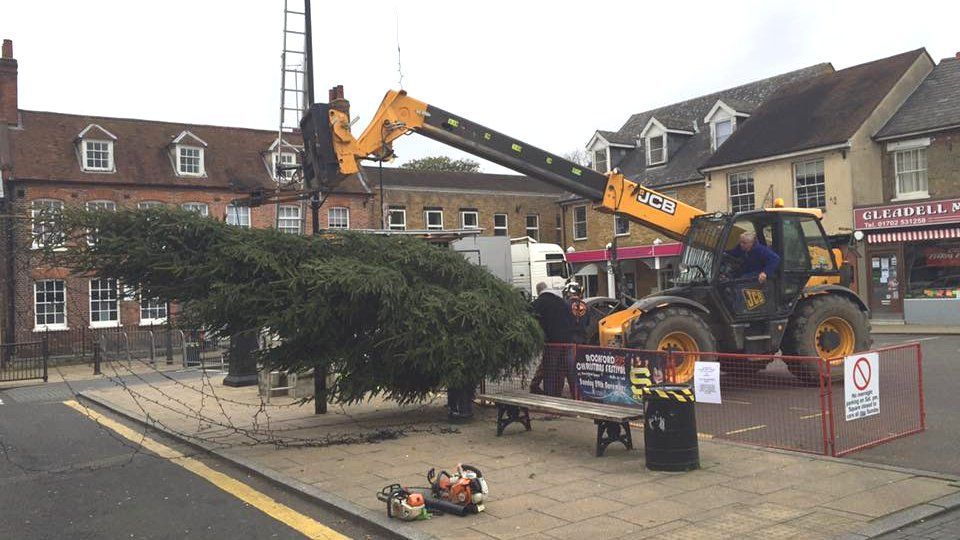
674 328
828 326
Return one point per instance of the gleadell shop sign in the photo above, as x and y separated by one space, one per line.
914 214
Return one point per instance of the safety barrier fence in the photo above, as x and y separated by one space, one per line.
790 402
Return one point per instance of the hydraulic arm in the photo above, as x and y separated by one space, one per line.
332 152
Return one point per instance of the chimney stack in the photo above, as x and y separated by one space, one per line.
8 85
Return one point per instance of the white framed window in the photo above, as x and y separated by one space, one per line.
198 207
741 190
809 184
433 219
600 161
50 305
722 130
190 160
469 219
99 206
532 227
238 216
98 156
43 213
621 225
579 222
500 225
147 205
397 219
152 312
280 161
288 219
656 149
104 306
338 217
910 167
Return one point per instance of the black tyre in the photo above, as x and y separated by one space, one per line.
674 328
829 326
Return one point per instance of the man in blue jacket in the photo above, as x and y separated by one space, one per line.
757 261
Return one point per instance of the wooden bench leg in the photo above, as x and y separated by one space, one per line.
508 414
611 432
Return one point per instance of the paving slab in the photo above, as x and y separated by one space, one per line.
543 484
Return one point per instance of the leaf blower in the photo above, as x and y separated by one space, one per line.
466 489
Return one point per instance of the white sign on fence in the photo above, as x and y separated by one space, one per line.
861 385
706 382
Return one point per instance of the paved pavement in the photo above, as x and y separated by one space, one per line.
63 476
545 483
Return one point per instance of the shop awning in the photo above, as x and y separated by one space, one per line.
626 253
913 236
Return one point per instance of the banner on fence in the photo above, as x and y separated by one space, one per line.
861 385
614 376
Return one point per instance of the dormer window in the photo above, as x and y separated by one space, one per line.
188 155
656 149
723 118
601 163
282 158
654 136
190 160
95 149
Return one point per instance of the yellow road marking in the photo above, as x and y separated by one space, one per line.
751 428
809 416
301 523
736 402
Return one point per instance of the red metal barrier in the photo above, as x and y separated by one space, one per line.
901 410
763 401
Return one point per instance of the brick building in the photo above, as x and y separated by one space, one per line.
51 160
497 204
912 222
664 149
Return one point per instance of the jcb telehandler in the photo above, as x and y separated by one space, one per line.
806 308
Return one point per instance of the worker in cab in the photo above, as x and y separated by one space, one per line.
755 264
757 261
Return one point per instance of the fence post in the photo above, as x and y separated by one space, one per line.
96 354
45 353
825 387
169 346
923 410
833 420
153 359
183 348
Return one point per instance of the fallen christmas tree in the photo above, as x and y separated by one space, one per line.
391 315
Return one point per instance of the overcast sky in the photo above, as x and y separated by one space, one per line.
548 73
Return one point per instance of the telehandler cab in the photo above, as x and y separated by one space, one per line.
806 308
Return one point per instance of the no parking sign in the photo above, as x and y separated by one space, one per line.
861 385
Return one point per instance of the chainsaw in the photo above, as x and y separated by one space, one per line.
403 504
466 488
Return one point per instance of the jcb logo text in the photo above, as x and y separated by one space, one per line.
656 201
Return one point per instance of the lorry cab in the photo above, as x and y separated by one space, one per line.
534 262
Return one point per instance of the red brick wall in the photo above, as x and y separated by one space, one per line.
27 269
8 85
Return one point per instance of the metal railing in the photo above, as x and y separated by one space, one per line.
23 361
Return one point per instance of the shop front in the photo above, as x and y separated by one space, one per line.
912 261
645 269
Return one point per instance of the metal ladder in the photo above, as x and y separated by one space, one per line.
293 89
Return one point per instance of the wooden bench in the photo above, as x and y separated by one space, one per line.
613 421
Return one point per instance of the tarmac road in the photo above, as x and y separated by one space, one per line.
775 407
63 476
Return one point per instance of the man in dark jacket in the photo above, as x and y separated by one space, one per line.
758 262
559 327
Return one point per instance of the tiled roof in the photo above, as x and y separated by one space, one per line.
237 159
616 138
816 112
935 103
410 178
684 161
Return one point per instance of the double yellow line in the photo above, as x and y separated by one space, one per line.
303 524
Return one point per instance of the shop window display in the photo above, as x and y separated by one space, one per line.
933 269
